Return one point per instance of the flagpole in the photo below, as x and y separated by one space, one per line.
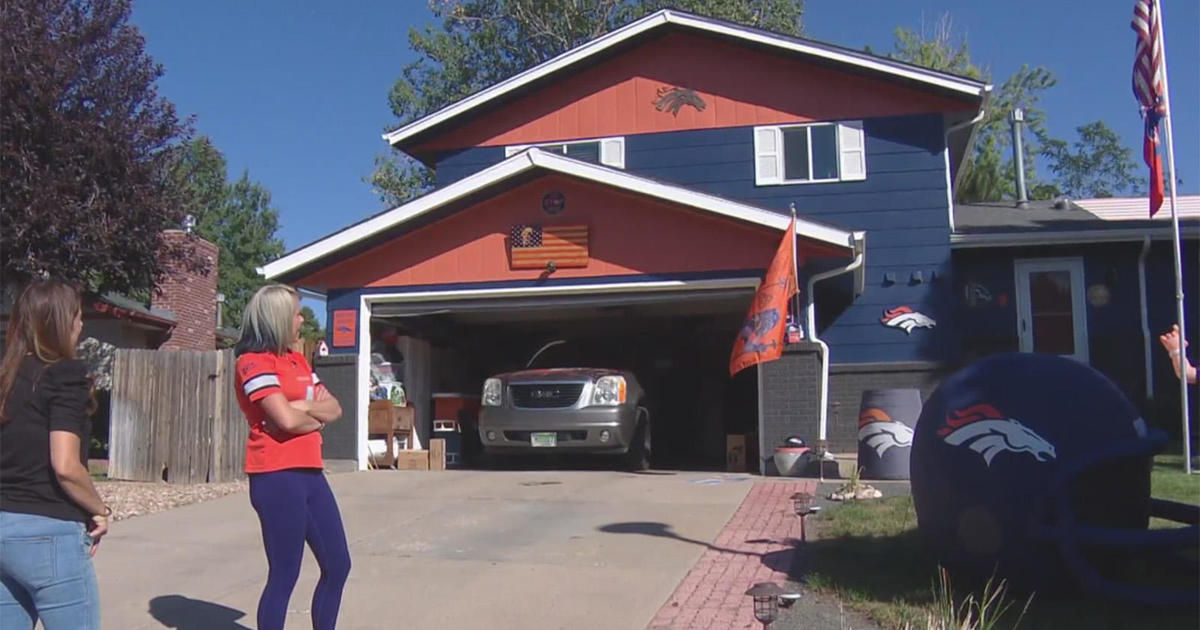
1177 249
795 270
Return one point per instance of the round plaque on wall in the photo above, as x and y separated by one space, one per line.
1098 295
554 202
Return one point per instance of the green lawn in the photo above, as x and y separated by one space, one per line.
1170 482
869 554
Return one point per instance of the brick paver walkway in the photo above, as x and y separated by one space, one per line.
755 546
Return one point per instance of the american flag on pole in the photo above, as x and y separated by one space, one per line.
535 246
1148 89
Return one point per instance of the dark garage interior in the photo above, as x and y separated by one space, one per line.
677 344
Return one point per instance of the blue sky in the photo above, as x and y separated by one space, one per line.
296 92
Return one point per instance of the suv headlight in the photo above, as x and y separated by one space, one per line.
493 392
609 391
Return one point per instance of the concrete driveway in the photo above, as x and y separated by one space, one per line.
454 549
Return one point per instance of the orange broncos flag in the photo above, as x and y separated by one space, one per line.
761 336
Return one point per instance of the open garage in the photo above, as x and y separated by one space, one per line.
614 271
675 342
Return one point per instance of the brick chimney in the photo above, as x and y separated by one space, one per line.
190 296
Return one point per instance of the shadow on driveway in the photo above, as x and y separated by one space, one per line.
780 560
183 613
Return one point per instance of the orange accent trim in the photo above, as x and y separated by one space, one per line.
873 415
738 85
630 234
970 414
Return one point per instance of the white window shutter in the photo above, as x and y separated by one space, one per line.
768 156
853 148
612 152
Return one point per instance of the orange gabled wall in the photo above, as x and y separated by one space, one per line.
629 235
739 85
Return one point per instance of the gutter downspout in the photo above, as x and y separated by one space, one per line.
1148 348
811 321
983 108
951 186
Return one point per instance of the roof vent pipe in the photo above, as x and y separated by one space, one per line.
1018 121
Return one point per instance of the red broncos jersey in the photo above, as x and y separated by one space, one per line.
260 374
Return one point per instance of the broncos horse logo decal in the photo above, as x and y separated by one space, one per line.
906 319
989 432
877 430
673 99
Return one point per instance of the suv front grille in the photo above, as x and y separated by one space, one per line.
545 395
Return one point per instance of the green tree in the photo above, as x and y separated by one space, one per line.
84 142
237 217
310 330
481 42
1098 165
990 171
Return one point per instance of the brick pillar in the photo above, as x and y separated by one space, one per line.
191 297
791 400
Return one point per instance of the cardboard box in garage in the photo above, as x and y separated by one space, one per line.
741 452
412 460
735 453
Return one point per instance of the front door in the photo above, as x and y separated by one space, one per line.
1050 309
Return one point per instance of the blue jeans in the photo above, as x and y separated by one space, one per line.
46 573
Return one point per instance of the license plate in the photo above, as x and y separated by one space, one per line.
543 439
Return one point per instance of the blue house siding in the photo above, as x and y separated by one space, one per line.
1160 281
902 205
1115 343
454 166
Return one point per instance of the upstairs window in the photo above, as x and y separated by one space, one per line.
809 154
606 151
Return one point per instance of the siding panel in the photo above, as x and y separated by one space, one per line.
902 205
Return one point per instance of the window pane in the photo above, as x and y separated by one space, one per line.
766 140
824 152
795 153
1053 317
767 168
586 151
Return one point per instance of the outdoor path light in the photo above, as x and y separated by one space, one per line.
802 506
766 602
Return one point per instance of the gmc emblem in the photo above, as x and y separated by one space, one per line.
544 393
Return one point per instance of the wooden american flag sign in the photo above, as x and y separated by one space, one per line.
535 246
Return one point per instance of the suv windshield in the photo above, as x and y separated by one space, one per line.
544 356
575 353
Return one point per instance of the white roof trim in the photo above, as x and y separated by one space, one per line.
667 16
1138 208
1063 237
650 286
534 158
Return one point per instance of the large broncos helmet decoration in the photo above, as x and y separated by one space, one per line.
1037 468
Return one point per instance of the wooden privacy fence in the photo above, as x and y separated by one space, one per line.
175 417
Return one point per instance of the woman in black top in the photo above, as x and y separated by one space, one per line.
51 517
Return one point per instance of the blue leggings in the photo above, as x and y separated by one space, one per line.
295 506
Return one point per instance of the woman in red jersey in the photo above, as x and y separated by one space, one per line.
287 407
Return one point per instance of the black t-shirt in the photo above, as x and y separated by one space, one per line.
45 397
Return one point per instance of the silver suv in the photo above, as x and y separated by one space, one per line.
560 410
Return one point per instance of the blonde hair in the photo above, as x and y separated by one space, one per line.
267 320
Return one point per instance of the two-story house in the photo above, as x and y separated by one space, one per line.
633 190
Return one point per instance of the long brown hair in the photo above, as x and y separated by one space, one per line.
41 324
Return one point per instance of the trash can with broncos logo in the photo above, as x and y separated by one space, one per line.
885 432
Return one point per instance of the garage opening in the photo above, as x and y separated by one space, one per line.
676 344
